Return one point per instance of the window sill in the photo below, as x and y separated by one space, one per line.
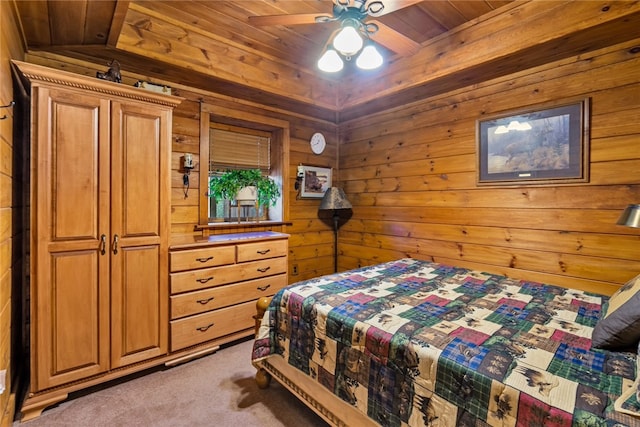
243 224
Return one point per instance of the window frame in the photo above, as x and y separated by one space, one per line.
280 143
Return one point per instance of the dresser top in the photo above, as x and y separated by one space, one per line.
188 241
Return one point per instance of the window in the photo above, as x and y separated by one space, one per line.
233 147
247 133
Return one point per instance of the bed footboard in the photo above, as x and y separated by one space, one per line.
320 400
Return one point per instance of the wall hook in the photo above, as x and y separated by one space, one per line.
9 105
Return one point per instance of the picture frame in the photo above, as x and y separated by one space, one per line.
315 181
545 145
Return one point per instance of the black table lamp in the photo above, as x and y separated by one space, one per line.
335 200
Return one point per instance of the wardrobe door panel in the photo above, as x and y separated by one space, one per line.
75 172
137 189
138 333
71 214
139 278
73 348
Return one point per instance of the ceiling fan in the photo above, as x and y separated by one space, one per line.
358 11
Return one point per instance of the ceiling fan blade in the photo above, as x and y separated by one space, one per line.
297 19
393 5
391 39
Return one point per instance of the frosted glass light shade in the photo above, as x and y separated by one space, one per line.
348 42
330 62
369 59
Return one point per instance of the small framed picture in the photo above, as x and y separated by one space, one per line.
548 144
315 181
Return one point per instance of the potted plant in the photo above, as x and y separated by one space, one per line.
227 186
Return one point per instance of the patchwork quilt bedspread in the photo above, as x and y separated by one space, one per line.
416 343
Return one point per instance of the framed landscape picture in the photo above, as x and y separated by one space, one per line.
548 145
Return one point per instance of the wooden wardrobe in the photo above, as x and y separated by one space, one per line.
100 225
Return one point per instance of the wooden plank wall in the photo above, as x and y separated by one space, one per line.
10 207
410 174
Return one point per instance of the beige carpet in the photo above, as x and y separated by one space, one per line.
216 390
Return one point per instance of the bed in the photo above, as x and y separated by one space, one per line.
416 343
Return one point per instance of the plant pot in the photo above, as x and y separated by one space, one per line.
247 196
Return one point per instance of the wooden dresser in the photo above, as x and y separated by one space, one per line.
216 281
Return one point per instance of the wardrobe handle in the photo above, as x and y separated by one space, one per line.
204 280
204 301
262 270
115 244
204 259
264 252
263 288
103 244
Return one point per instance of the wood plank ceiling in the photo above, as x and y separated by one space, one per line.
219 45
213 45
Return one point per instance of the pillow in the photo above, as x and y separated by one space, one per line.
629 401
619 325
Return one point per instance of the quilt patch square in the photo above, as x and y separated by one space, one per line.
495 365
532 412
465 353
464 387
377 344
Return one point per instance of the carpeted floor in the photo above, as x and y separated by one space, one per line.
216 390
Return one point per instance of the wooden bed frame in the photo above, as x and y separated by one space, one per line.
320 400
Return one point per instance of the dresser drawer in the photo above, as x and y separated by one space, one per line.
210 277
199 279
264 268
218 323
262 250
201 258
223 296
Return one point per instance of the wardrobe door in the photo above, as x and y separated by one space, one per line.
140 226
70 225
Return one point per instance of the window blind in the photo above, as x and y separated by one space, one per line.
229 149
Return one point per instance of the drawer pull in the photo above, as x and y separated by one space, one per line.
204 280
204 328
204 259
262 270
204 301
264 252
263 288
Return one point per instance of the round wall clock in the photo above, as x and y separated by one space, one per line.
317 143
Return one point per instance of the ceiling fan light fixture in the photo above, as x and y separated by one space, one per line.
348 42
370 58
330 62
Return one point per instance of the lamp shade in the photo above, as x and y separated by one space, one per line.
348 42
369 59
630 216
334 198
330 62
